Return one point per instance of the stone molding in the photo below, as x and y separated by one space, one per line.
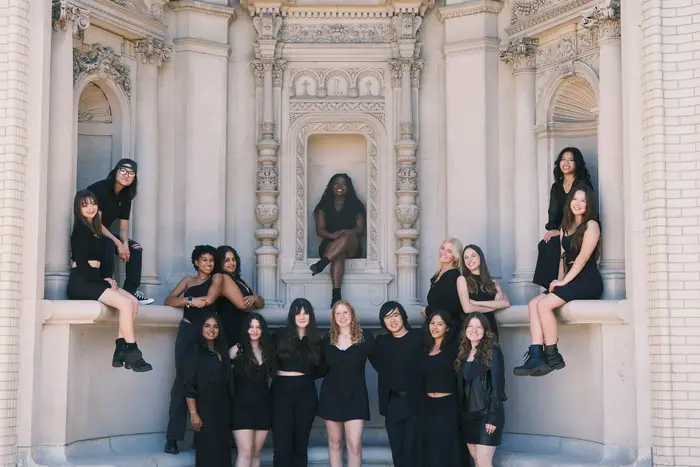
203 47
358 82
605 17
384 9
547 10
64 12
521 53
568 46
373 108
103 61
337 33
470 8
153 51
267 25
203 8
127 22
406 25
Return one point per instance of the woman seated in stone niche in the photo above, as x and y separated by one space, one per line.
569 171
340 222
579 279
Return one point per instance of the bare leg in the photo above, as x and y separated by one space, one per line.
244 445
484 455
335 443
535 326
259 442
353 441
345 245
545 310
127 309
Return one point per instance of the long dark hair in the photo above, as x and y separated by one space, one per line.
487 283
581 174
245 360
430 340
220 256
199 251
351 200
570 219
289 338
86 196
129 191
485 347
220 345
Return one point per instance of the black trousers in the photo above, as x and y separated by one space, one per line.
133 266
184 344
402 427
294 405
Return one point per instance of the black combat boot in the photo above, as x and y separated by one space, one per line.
117 361
535 363
554 358
133 359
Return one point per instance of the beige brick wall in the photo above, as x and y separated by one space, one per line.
671 103
14 43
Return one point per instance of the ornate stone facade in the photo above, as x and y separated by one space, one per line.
104 62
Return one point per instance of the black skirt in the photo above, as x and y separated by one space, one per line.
441 442
84 288
474 430
252 409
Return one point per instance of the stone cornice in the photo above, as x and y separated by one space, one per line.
203 8
469 8
346 9
546 15
121 20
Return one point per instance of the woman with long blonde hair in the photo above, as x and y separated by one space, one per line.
344 403
443 293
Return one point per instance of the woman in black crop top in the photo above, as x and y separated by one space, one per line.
478 292
237 298
569 171
441 444
294 396
340 221
85 282
198 295
443 293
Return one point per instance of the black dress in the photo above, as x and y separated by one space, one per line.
482 295
443 296
344 390
344 219
208 381
233 318
252 403
587 285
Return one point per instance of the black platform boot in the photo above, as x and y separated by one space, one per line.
133 359
336 296
171 447
535 363
554 358
117 361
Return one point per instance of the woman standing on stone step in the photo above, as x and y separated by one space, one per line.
294 397
340 221
86 283
198 295
443 294
208 388
579 279
569 171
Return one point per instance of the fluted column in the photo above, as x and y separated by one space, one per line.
153 54
68 21
606 18
521 53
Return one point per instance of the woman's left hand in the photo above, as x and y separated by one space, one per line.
490 429
555 284
249 301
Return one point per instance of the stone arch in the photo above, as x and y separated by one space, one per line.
349 83
573 102
369 73
297 83
576 69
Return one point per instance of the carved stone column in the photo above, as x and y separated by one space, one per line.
606 18
68 21
521 53
153 54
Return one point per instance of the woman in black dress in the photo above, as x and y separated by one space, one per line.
344 403
237 298
481 387
579 279
569 171
254 363
198 295
443 293
208 390
441 443
294 396
340 221
86 283
478 292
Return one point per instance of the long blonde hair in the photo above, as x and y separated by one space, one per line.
456 252
355 329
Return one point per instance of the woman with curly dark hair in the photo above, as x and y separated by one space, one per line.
340 221
569 171
294 397
254 363
196 294
237 298
481 387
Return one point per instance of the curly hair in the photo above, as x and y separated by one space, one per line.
199 251
355 330
288 339
582 174
351 199
484 348
220 256
245 360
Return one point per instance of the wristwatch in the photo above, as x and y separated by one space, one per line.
189 301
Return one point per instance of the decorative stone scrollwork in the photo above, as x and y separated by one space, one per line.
267 214
278 67
102 60
406 178
153 51
267 177
406 130
268 129
522 8
416 69
396 73
406 25
521 53
257 68
605 17
406 214
63 12
343 33
336 83
267 25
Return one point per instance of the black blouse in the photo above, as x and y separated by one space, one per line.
346 218
203 369
86 246
557 202
346 368
443 295
438 370
299 360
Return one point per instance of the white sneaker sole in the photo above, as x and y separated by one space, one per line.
146 301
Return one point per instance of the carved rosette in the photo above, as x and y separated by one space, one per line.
605 17
63 12
521 53
153 51
103 61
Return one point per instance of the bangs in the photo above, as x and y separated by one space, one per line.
87 198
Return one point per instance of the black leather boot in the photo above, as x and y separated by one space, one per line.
171 447
117 361
133 359
554 358
535 363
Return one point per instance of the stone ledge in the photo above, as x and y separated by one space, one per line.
575 312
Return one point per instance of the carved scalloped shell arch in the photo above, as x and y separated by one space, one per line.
574 102
370 73
550 91
337 72
296 83
94 106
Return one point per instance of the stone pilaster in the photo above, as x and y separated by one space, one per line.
521 54
606 19
68 21
153 53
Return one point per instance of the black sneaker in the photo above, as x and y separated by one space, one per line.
142 298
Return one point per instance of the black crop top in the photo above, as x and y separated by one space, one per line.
86 246
438 370
195 315
300 358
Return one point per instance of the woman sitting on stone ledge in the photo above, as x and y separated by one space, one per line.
340 222
86 283
579 279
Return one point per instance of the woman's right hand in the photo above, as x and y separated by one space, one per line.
422 311
549 234
199 302
112 283
196 421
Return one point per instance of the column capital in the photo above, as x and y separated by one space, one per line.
257 67
406 25
605 17
267 24
416 69
153 51
103 61
278 67
521 53
398 65
64 12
